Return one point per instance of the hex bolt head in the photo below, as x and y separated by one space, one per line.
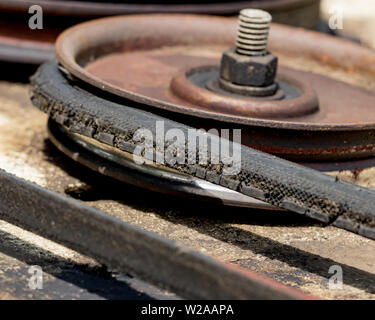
257 71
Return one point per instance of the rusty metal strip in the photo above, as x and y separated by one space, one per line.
127 248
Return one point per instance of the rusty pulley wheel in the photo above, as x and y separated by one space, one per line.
326 115
18 43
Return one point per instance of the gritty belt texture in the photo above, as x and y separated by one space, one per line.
262 176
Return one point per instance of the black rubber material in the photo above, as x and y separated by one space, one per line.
263 176
129 249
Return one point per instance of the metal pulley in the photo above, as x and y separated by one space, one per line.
309 101
321 108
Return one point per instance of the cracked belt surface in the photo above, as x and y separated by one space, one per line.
263 176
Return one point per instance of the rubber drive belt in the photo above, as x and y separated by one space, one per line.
262 176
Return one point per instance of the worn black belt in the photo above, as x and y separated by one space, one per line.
262 176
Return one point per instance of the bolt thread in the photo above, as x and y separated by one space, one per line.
253 29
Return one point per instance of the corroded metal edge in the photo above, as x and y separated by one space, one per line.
119 165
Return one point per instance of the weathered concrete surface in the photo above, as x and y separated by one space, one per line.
283 246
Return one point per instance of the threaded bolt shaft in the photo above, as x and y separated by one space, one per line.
253 29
